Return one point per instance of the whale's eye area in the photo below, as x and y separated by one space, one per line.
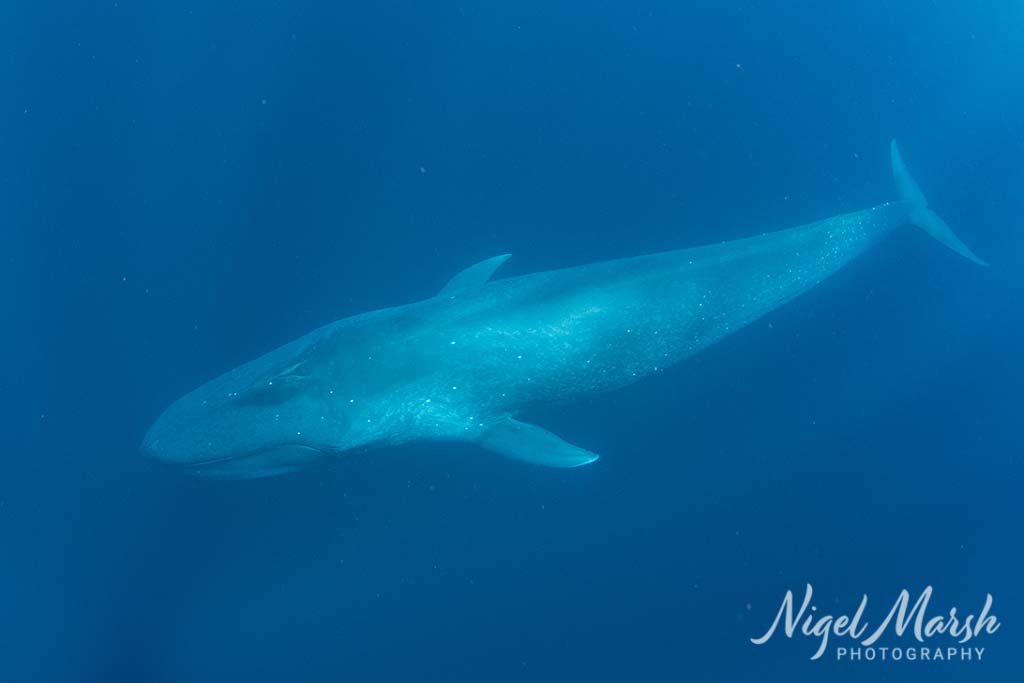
276 388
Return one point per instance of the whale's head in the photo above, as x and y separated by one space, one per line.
264 418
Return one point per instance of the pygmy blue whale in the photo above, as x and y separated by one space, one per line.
460 366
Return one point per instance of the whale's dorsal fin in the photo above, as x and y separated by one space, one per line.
532 444
476 274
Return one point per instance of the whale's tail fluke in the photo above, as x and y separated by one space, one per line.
922 216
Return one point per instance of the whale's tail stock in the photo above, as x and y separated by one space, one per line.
922 216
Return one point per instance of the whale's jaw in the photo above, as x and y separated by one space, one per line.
267 462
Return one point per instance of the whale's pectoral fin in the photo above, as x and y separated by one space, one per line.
532 444
476 274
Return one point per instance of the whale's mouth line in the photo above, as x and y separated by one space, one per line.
261 462
251 454
215 461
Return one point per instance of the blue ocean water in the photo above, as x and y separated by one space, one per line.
186 186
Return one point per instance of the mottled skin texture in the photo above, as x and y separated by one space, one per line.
550 336
451 367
